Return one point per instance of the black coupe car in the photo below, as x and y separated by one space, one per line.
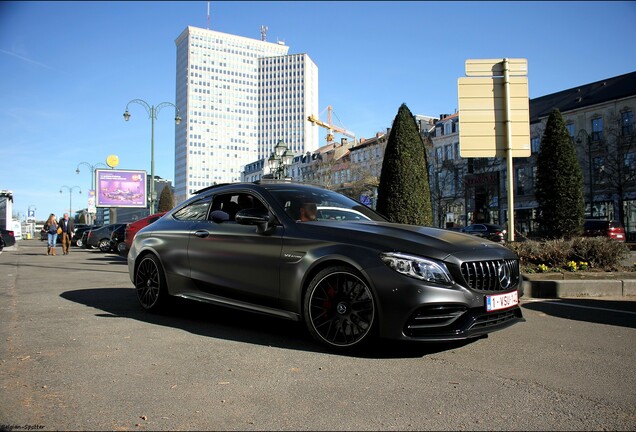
246 245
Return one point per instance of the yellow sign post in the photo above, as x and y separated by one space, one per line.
494 115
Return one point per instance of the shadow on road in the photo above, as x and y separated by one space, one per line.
231 324
616 313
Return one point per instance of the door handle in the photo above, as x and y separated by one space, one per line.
201 233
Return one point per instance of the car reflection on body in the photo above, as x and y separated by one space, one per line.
243 245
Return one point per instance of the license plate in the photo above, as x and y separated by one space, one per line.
501 301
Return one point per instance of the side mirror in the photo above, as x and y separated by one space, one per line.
254 216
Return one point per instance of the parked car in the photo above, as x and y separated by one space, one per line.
491 232
604 228
347 280
134 227
1 244
78 235
8 236
100 237
117 239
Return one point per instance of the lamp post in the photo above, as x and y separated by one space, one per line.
589 162
152 113
280 159
70 197
92 168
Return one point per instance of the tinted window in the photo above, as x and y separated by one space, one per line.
197 210
291 199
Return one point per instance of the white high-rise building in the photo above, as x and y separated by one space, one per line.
288 94
219 79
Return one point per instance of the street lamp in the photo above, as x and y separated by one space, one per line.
280 159
70 197
92 168
152 113
589 162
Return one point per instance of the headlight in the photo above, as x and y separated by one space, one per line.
417 267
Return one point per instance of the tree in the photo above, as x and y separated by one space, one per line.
403 193
166 200
559 189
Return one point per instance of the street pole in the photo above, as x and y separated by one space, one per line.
152 159
152 113
589 162
509 168
70 197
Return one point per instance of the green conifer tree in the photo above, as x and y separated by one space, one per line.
166 200
559 189
403 193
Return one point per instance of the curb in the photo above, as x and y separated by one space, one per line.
579 288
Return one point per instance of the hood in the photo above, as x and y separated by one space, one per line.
430 242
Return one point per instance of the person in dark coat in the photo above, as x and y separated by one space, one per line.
68 227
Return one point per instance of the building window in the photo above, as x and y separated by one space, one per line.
570 128
449 152
535 143
597 129
520 174
448 128
439 155
627 123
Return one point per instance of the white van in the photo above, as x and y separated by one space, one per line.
17 230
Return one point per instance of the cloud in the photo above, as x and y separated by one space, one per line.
25 59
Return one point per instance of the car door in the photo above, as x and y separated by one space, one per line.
234 261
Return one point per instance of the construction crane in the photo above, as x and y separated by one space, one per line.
330 126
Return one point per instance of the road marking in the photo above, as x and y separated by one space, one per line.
582 307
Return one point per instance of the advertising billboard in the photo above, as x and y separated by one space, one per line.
121 188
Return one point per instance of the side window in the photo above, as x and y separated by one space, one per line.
197 210
230 204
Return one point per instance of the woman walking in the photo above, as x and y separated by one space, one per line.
50 227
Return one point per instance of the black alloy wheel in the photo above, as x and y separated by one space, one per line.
104 245
339 308
150 284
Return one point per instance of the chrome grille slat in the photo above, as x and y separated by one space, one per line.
484 275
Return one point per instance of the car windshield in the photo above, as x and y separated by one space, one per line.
329 205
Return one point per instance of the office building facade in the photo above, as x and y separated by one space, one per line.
220 80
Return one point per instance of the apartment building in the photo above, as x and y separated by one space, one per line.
599 119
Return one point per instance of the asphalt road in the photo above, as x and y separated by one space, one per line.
78 353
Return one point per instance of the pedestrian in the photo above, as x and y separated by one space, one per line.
68 227
51 228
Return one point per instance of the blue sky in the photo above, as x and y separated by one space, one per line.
68 69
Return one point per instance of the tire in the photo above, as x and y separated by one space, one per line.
121 248
150 284
104 245
78 243
339 309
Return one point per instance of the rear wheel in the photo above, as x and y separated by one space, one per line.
150 284
78 243
339 308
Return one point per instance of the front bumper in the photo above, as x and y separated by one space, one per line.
409 309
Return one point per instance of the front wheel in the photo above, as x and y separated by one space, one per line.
78 243
150 283
104 245
339 308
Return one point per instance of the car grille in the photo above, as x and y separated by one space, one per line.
496 275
